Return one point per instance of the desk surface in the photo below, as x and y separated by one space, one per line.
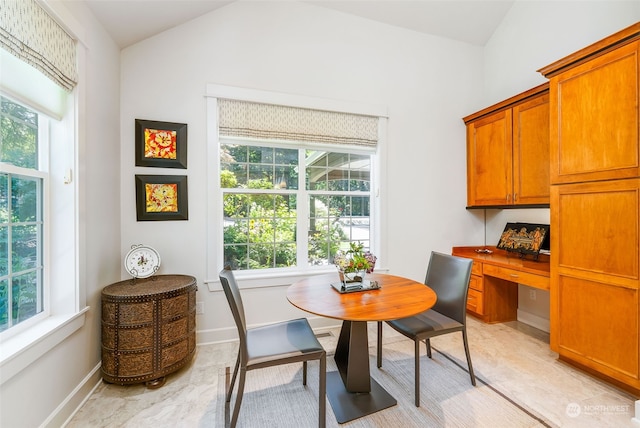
397 298
503 258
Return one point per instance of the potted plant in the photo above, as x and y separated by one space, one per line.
354 263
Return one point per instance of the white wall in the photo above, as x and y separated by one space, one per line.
426 83
49 390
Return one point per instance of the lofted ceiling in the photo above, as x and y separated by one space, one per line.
470 21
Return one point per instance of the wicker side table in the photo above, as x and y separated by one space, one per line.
148 328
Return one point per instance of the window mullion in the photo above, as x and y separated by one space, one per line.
302 237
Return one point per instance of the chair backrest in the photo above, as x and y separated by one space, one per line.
449 276
231 290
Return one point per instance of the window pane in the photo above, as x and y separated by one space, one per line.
24 298
260 177
4 305
24 199
236 232
4 251
235 257
317 178
233 176
259 230
24 247
19 135
286 156
4 198
260 155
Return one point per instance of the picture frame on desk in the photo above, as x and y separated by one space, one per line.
524 238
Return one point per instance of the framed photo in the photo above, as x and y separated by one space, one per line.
161 144
161 197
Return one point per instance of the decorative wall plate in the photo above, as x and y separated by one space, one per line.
142 261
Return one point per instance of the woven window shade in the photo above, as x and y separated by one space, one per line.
28 32
275 122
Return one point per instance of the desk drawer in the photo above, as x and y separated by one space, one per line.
525 278
476 268
475 302
475 283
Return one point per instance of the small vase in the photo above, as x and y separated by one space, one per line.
357 276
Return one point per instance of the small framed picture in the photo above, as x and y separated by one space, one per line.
161 144
161 197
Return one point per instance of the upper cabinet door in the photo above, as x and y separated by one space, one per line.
531 152
489 165
594 106
508 152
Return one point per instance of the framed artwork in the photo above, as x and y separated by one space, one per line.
161 144
161 197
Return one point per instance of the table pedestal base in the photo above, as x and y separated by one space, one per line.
348 406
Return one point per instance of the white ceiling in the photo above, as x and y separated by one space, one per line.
471 21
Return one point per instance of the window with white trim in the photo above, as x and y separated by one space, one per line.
295 184
23 181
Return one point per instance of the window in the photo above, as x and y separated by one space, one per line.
292 205
22 191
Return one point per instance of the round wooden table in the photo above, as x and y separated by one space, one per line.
351 390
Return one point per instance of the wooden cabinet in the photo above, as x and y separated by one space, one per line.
595 208
601 96
595 272
508 152
148 328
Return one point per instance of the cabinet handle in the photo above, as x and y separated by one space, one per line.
515 197
508 197
513 275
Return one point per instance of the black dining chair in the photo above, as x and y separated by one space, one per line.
449 277
271 345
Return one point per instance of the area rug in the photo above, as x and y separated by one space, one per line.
275 396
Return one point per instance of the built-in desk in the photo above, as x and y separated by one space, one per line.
493 289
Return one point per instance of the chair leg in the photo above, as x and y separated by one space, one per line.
417 372
322 393
304 373
236 407
427 342
379 344
233 378
466 351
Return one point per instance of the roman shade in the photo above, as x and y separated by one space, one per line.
31 34
252 120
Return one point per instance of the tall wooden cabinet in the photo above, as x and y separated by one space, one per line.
508 152
595 207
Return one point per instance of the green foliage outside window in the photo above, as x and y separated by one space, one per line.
260 227
20 219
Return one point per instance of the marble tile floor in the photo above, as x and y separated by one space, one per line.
513 358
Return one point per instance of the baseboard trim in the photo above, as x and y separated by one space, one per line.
74 401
